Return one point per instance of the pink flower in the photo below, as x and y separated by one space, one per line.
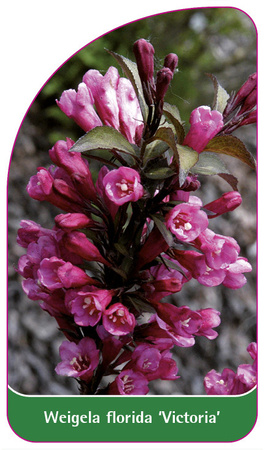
154 364
195 262
164 281
123 185
73 221
87 304
210 319
117 320
34 290
234 278
219 383
78 360
30 231
129 382
226 203
115 101
55 186
186 221
180 323
77 242
75 166
54 273
79 107
205 124
130 118
220 251
230 383
152 333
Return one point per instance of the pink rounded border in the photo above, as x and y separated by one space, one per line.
104 34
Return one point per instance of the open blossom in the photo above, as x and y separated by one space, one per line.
164 280
230 275
78 360
233 383
210 319
123 185
54 273
117 320
205 124
129 382
87 304
234 278
186 221
153 363
182 324
220 251
30 231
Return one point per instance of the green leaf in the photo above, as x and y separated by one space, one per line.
154 150
159 222
103 138
232 146
187 159
209 164
160 173
172 113
221 96
130 69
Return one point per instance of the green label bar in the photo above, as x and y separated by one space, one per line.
132 419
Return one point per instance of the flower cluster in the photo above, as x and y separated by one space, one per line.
126 240
230 383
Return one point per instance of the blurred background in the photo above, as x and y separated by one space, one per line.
220 41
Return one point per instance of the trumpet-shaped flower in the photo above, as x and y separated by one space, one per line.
123 185
117 320
87 304
186 221
78 360
129 382
205 124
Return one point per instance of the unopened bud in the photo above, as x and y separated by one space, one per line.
238 99
144 54
250 101
163 79
250 118
227 202
73 221
247 87
171 61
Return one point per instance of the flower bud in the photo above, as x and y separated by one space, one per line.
227 202
237 99
163 79
246 89
171 61
144 54
73 221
